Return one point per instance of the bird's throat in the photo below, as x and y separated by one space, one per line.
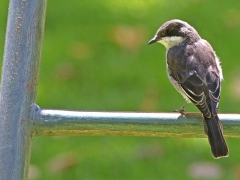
171 41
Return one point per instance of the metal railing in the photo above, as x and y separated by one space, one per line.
21 119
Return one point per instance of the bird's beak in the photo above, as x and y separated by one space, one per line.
153 40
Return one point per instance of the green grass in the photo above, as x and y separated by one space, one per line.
95 57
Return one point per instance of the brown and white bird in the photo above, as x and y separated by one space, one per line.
194 70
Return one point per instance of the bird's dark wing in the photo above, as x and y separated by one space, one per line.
214 88
204 93
195 89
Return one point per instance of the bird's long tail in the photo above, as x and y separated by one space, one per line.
213 129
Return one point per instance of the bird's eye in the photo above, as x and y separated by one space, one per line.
168 32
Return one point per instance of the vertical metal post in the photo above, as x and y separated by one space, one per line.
19 85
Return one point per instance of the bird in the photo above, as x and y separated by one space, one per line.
194 70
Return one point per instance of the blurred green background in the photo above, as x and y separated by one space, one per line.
95 57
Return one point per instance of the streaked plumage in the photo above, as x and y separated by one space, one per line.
194 70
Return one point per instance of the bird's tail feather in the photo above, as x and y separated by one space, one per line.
213 129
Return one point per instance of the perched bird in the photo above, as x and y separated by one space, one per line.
194 70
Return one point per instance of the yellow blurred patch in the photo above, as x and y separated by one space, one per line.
128 37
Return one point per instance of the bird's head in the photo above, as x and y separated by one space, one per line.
174 32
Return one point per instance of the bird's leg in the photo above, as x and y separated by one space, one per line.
181 110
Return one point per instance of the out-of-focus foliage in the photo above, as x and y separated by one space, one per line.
95 57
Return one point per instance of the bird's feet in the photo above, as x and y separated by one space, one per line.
181 111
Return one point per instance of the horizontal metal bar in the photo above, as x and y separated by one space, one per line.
62 123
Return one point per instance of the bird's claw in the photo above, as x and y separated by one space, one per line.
181 111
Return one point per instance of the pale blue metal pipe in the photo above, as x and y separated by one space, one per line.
19 85
61 123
